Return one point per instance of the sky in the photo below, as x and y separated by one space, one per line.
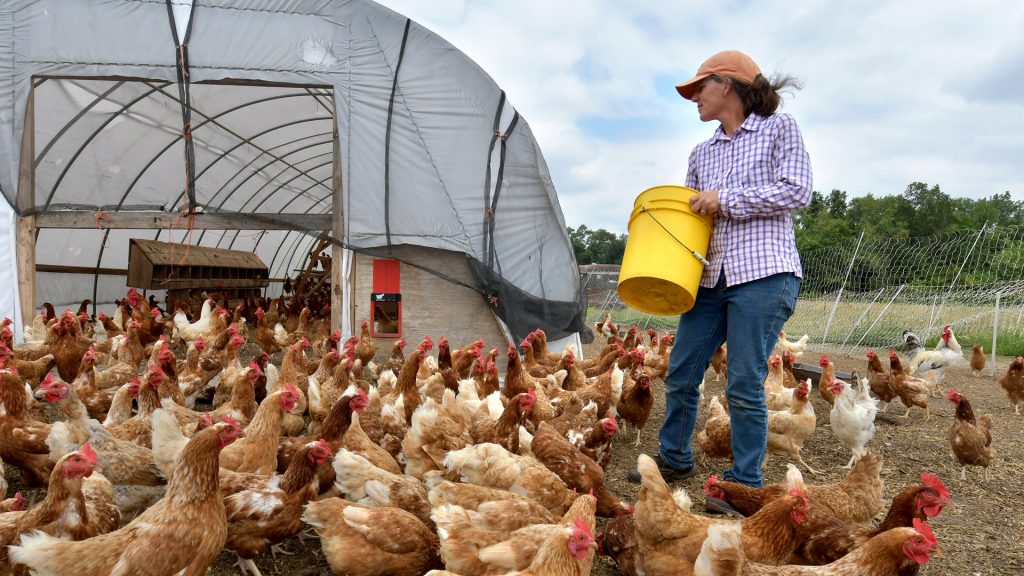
894 92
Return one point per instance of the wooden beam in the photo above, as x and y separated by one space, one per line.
26 225
338 233
26 254
141 220
59 269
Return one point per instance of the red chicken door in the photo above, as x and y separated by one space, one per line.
386 299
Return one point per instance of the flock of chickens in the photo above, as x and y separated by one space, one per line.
154 464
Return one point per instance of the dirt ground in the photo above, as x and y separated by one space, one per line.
980 536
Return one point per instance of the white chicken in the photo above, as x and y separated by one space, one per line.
190 332
795 348
946 355
853 416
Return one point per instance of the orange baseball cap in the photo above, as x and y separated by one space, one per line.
729 63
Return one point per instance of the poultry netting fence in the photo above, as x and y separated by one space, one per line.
866 293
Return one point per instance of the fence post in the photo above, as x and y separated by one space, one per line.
840 294
995 332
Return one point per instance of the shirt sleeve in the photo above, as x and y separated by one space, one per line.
791 189
691 171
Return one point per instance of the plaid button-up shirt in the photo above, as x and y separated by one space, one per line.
762 173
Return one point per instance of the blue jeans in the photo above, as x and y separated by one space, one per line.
748 317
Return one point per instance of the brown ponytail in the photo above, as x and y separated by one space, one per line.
763 96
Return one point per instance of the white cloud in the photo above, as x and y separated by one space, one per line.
894 92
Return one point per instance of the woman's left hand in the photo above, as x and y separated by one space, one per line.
705 203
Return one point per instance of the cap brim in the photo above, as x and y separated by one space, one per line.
689 88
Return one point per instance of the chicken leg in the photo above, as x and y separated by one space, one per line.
247 566
805 464
637 443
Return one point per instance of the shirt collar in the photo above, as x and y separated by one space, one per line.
752 123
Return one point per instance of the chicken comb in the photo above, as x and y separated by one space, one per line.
580 525
442 341
19 502
953 396
932 481
229 419
156 375
336 335
200 343
531 396
611 425
925 530
47 380
291 389
255 368
304 342
88 453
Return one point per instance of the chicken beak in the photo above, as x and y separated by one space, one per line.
937 553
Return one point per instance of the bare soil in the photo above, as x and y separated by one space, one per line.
980 536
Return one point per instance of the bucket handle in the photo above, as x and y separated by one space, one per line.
688 249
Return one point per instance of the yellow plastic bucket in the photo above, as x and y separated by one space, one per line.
665 251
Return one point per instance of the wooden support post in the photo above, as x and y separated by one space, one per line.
27 267
338 233
26 225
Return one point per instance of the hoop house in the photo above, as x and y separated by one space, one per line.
269 126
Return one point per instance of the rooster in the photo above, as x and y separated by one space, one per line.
946 354
191 516
970 438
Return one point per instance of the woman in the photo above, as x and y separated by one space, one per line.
752 174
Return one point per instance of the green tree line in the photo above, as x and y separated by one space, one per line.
833 219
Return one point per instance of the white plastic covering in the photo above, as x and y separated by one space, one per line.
432 154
